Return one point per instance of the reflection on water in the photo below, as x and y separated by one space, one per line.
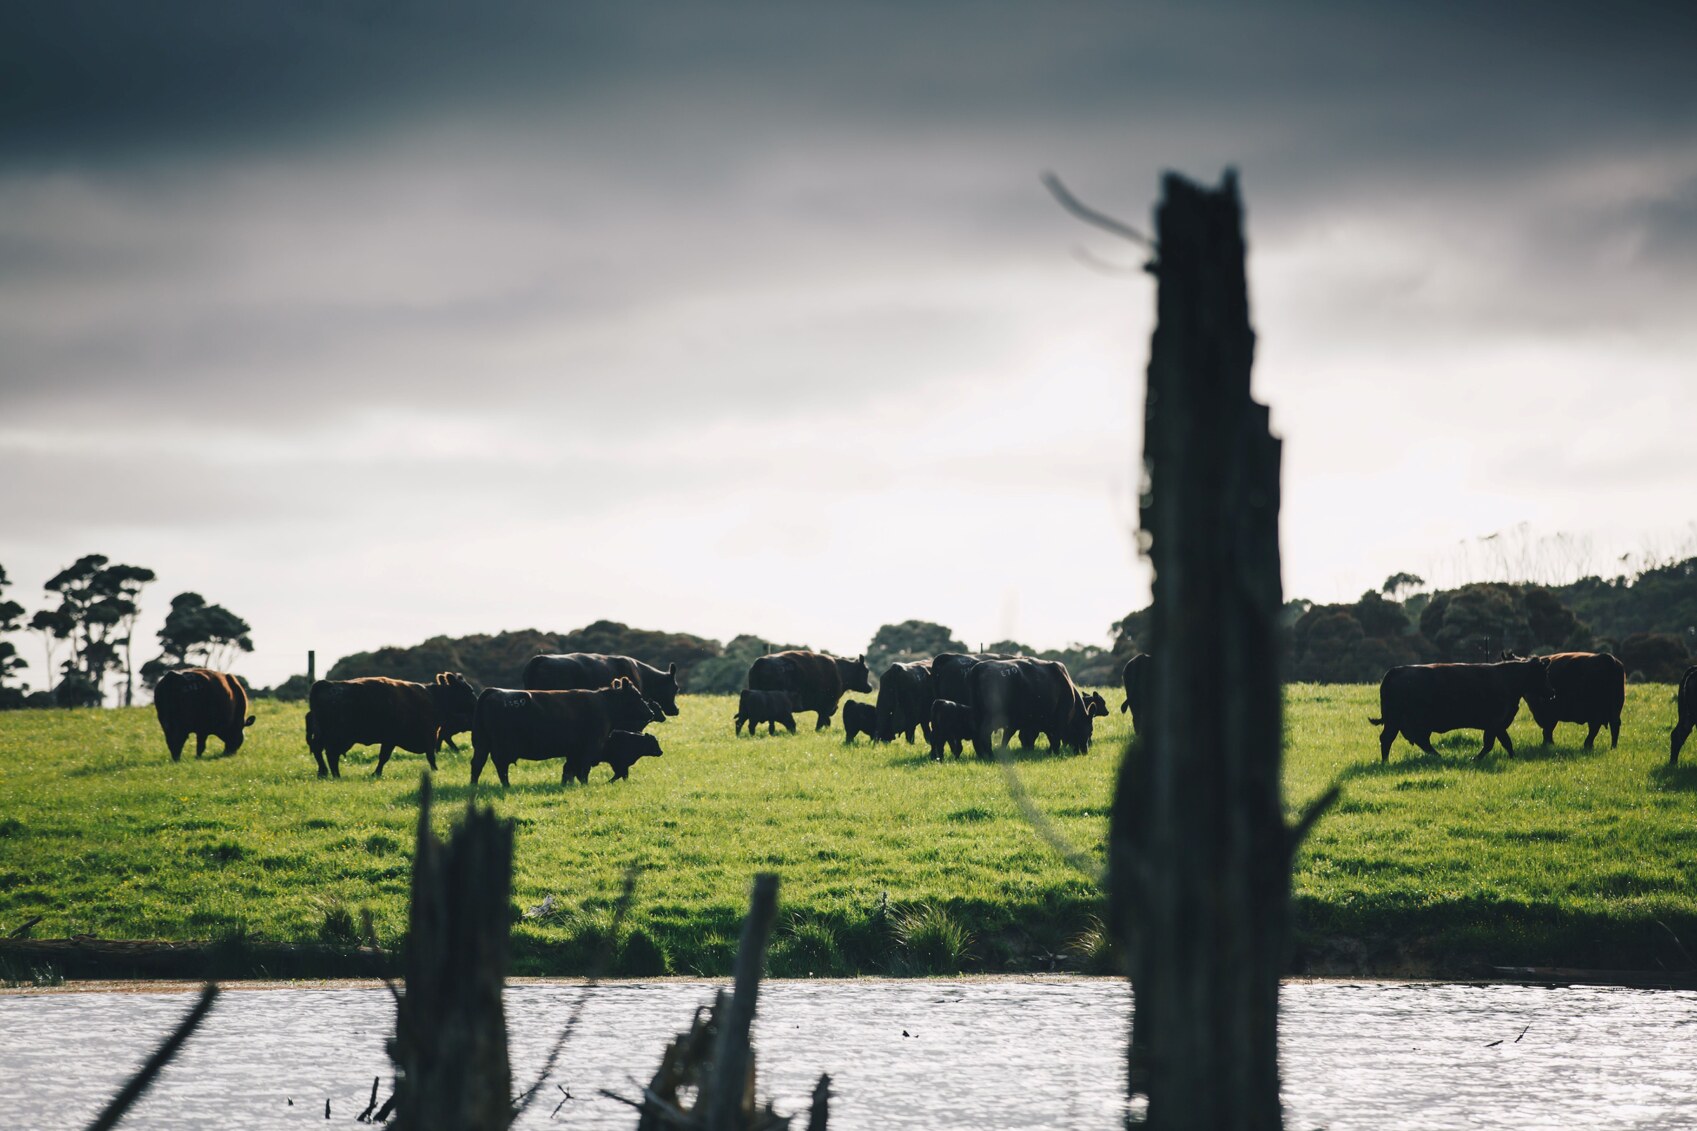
1002 1054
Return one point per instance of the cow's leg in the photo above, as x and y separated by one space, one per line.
478 757
501 770
199 744
789 724
737 725
430 754
1614 732
1386 738
323 770
1550 735
771 727
175 744
1424 741
1676 740
383 753
1592 737
824 720
1490 744
334 753
449 739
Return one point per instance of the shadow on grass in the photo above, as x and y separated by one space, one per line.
1680 778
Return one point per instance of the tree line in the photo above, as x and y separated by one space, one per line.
87 630
1648 619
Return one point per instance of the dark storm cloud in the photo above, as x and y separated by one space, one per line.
89 82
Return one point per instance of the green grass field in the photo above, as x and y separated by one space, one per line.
890 863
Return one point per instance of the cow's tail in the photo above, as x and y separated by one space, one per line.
1377 722
311 733
480 720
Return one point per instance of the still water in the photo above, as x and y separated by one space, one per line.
992 1054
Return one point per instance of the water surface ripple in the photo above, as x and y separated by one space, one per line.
992 1054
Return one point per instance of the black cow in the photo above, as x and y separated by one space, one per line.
1687 714
770 707
905 692
386 713
623 748
859 718
815 681
510 726
948 673
951 725
1095 706
1586 687
1417 699
1136 676
1027 696
204 703
590 671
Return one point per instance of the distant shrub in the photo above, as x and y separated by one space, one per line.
807 948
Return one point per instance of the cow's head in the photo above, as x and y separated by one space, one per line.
628 708
1095 706
663 690
855 674
1531 677
456 701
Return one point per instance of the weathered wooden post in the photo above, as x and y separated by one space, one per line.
450 1044
1199 852
311 667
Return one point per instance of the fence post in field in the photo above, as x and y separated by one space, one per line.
1199 868
311 667
450 1044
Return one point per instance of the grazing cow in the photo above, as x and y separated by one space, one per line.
536 726
948 673
816 682
1687 714
204 703
1417 699
859 718
1028 697
386 713
589 671
1138 671
1587 688
623 748
1095 706
905 692
951 726
769 707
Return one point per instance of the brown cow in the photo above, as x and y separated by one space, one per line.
815 681
1687 714
1586 687
386 713
535 726
1417 699
204 703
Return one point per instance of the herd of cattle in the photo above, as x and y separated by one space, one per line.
592 710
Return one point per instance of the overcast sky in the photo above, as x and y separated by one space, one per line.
373 321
